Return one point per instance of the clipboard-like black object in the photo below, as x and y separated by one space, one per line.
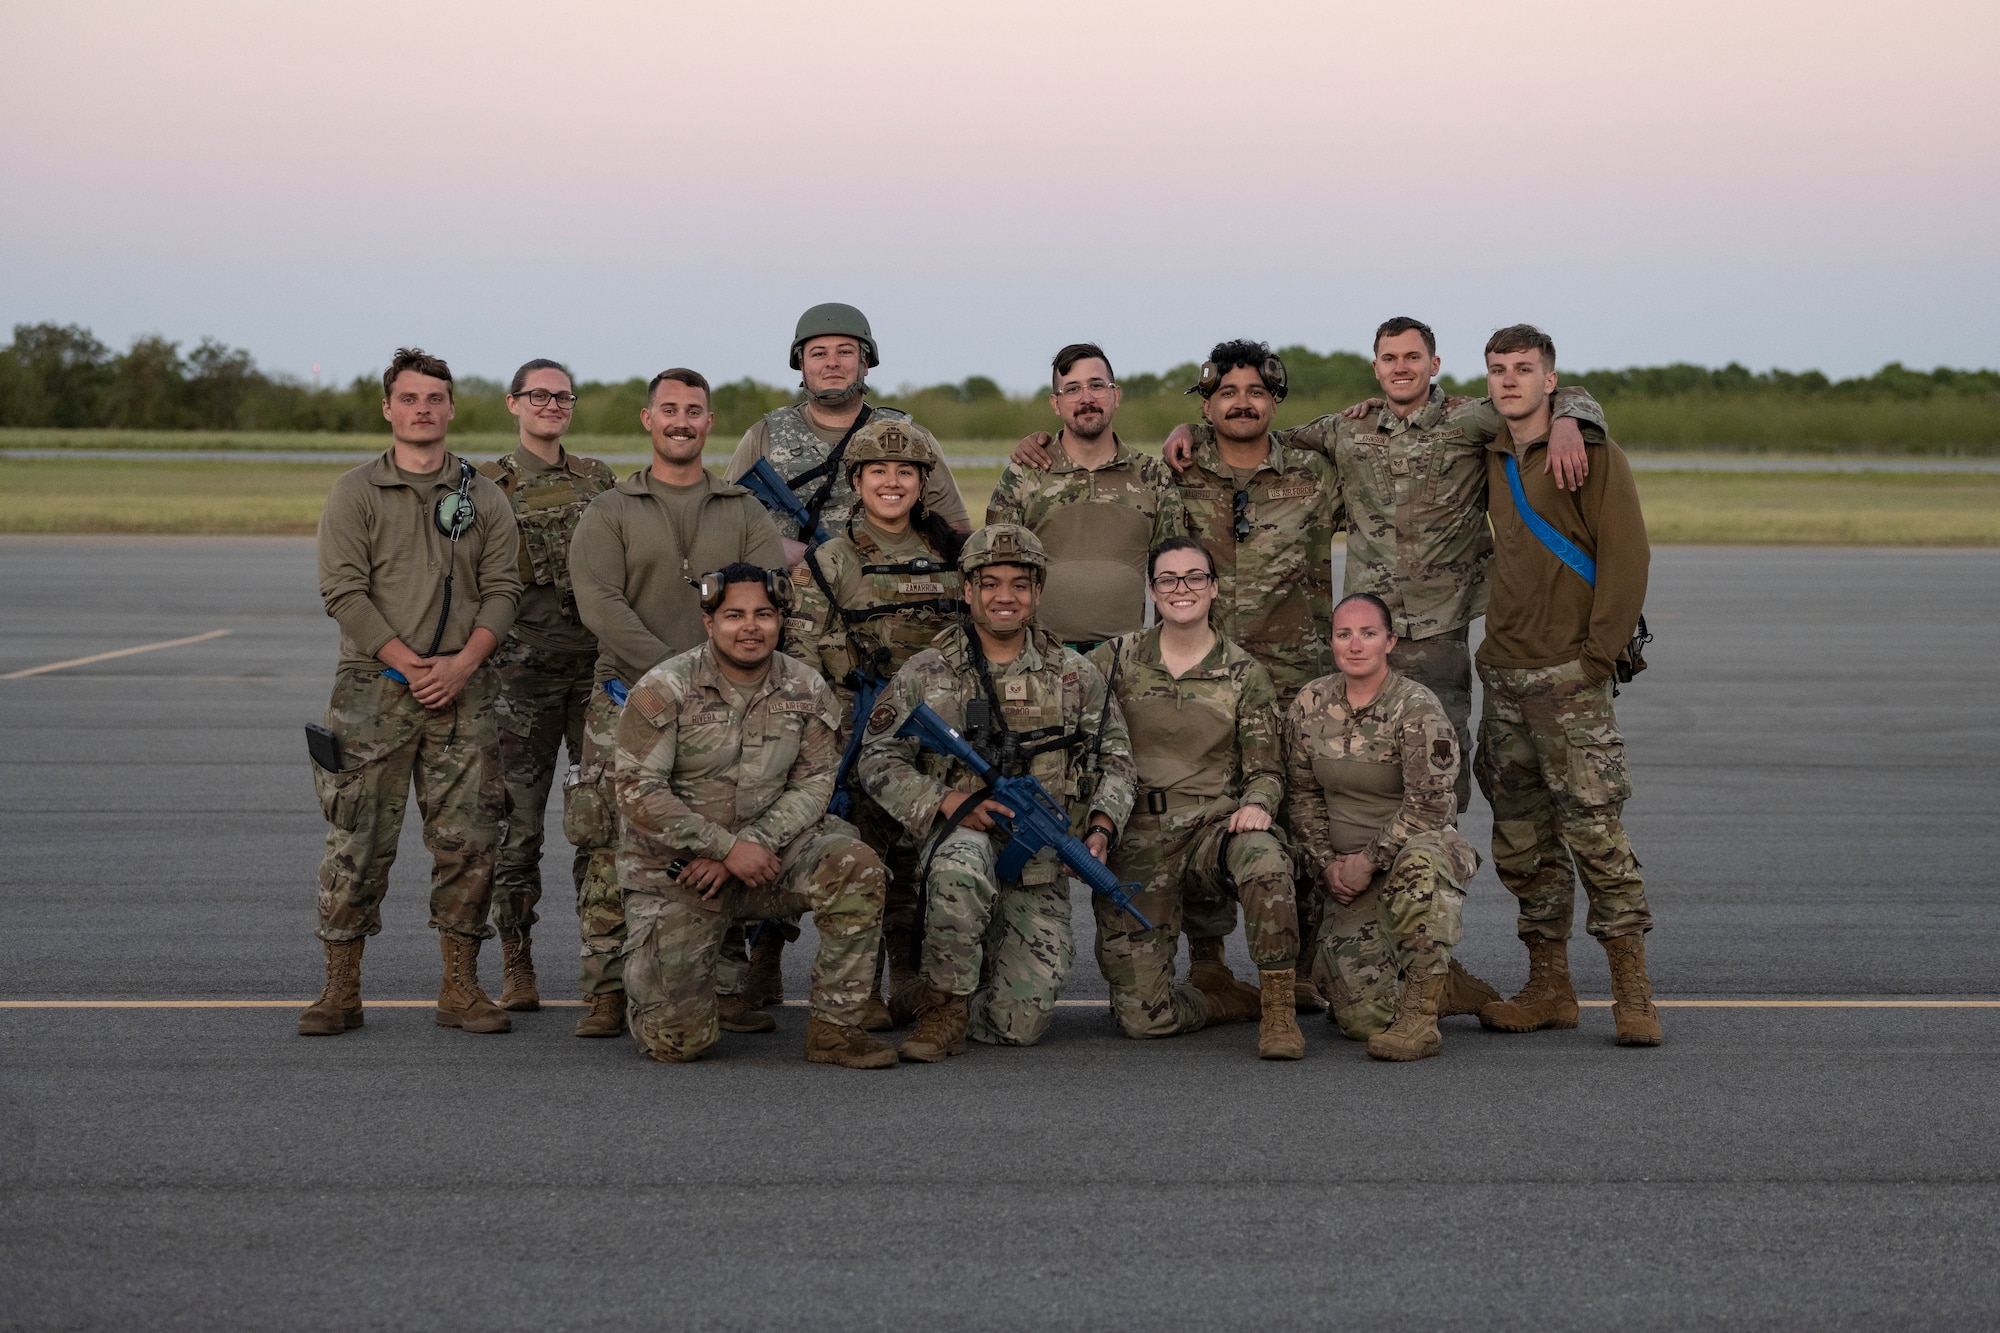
324 746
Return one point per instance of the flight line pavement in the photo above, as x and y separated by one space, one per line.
1815 786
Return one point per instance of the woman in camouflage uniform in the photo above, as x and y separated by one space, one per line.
868 601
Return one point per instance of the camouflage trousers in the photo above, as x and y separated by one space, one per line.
1007 945
1171 855
389 742
1552 764
1442 664
590 822
540 708
1207 913
1405 924
675 937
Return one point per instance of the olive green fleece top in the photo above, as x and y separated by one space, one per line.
382 561
635 585
1541 612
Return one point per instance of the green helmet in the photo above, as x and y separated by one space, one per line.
1003 544
834 318
888 440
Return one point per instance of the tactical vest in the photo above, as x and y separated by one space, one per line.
1096 585
795 452
547 507
1037 707
894 612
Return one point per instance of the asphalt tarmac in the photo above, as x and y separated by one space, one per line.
1813 757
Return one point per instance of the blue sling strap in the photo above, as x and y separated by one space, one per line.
1559 546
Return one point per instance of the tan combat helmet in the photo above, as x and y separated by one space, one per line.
834 318
886 440
1003 544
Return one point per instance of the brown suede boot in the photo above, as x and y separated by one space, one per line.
605 1017
461 1004
338 1007
1229 1000
1631 993
1414 1034
736 1015
941 1026
518 992
1464 993
764 982
1306 998
1279 1037
831 1043
1547 1001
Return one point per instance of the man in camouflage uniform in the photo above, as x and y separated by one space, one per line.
1204 725
637 552
869 600
996 954
1370 782
416 563
545 666
1551 758
1097 507
833 350
1412 475
726 759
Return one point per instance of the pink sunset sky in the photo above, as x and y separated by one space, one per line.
631 185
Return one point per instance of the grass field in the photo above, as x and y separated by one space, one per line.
1756 508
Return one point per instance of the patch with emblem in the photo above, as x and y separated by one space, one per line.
648 701
1293 490
882 718
800 575
920 588
1015 690
1441 753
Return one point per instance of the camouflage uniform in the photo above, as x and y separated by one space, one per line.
872 599
1098 526
1204 744
545 670
796 451
697 768
1007 945
1378 780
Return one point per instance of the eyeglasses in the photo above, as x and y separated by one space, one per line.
1095 388
1193 582
543 397
1242 506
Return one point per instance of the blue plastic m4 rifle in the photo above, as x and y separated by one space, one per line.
775 494
1038 821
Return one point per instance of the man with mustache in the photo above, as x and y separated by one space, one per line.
637 553
1099 507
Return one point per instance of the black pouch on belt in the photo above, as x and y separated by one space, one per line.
324 747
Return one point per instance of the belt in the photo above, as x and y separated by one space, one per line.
1157 801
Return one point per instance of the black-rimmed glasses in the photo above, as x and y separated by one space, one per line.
1193 582
543 397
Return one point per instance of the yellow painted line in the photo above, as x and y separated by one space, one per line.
1065 1004
122 652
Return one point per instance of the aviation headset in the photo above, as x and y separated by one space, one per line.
777 587
1272 372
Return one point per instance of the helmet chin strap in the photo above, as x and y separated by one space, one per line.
838 397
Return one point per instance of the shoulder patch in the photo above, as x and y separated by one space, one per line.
882 718
1441 753
800 577
794 705
649 703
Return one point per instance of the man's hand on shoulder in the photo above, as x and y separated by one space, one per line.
1367 407
1178 451
1566 462
1033 451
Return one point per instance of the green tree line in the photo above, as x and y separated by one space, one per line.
62 376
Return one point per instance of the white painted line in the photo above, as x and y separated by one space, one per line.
122 652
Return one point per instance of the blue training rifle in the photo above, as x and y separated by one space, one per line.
842 804
1037 821
776 495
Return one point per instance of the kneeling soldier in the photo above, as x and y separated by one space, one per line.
996 954
1371 762
726 760
1204 722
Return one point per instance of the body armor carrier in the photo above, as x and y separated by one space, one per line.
907 603
547 507
816 474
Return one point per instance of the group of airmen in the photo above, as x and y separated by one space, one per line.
733 675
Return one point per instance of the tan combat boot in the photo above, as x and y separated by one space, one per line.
461 1004
338 1007
1631 993
1229 1000
1414 1034
941 1026
1306 998
1547 1001
605 1017
764 981
831 1043
519 993
1279 1037
736 1015
1464 993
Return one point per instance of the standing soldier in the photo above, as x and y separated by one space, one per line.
996 954
633 562
1371 762
1569 581
833 350
1098 507
870 599
545 667
1204 724
417 564
725 763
